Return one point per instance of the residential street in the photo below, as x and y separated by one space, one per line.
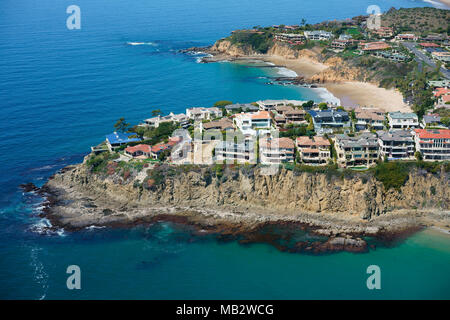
422 58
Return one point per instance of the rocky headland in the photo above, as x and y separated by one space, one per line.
239 202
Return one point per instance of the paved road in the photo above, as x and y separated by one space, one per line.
422 58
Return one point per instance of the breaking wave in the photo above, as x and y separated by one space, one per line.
327 96
141 44
285 72
44 227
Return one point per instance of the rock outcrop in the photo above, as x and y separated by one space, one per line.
225 47
339 71
287 191
336 208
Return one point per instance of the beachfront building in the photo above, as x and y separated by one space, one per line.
429 45
342 44
371 47
291 38
406 37
441 56
440 92
286 114
117 139
156 121
403 120
366 119
436 84
140 151
383 32
268 105
276 150
241 107
332 119
295 116
434 144
314 151
230 152
286 28
361 150
396 144
280 120
432 120
157 149
391 55
435 37
203 113
223 124
282 109
442 95
318 35
358 109
249 122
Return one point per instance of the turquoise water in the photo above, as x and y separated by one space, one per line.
62 90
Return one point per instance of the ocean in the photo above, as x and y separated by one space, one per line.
62 90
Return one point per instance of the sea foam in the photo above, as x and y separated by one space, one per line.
327 96
285 72
141 44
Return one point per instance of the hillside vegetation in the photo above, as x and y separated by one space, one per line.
419 20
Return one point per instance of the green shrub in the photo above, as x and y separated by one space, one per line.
97 163
392 174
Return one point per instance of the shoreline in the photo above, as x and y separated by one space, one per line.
72 207
323 235
349 93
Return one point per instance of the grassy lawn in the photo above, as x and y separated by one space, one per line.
360 168
353 31
349 53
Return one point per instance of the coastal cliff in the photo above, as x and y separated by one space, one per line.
240 194
330 68
226 48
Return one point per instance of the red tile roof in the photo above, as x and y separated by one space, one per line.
261 115
140 147
160 147
433 134
307 141
309 150
429 45
283 143
441 91
375 46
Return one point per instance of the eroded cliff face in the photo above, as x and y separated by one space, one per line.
284 51
339 71
227 48
286 192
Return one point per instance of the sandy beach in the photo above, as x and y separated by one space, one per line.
350 93
303 67
366 94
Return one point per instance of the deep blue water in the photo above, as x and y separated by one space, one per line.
62 90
